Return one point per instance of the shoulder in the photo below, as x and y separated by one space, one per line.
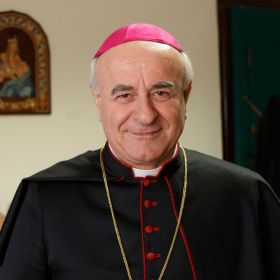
212 165
217 174
81 166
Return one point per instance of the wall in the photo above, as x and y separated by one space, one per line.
31 143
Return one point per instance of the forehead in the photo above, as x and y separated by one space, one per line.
139 58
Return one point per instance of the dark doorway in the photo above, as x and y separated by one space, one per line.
250 60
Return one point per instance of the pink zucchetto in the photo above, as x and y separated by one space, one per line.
138 32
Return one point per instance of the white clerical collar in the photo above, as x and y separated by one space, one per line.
145 172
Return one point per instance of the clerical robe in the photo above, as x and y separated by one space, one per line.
59 225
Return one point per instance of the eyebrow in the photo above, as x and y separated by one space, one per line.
120 88
158 85
163 84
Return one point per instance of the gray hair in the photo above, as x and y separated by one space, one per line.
188 72
92 74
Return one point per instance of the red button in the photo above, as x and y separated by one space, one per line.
151 256
150 229
148 203
146 182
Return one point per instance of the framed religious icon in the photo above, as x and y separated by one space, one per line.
24 65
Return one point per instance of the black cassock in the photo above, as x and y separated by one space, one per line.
59 225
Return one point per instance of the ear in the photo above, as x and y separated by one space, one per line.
187 92
97 98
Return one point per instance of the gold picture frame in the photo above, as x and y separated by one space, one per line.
24 65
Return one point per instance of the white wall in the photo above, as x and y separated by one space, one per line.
75 29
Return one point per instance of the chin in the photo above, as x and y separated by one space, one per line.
147 157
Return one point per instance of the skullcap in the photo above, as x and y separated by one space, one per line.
138 32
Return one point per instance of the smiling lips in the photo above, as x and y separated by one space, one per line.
145 133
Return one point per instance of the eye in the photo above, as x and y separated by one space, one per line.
124 97
161 95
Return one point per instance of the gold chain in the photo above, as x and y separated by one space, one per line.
115 222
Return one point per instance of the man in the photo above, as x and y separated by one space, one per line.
145 208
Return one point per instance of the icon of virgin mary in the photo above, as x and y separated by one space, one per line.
15 74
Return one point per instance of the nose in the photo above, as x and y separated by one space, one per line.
145 112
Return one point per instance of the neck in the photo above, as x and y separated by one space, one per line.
140 171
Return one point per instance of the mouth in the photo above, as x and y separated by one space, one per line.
146 134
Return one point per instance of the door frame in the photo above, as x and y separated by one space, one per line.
223 7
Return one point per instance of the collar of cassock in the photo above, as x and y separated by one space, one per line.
146 172
115 168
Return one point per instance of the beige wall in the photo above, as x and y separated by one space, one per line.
75 29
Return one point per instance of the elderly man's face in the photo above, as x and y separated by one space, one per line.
141 101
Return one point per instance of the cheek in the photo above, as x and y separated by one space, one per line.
174 115
113 117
